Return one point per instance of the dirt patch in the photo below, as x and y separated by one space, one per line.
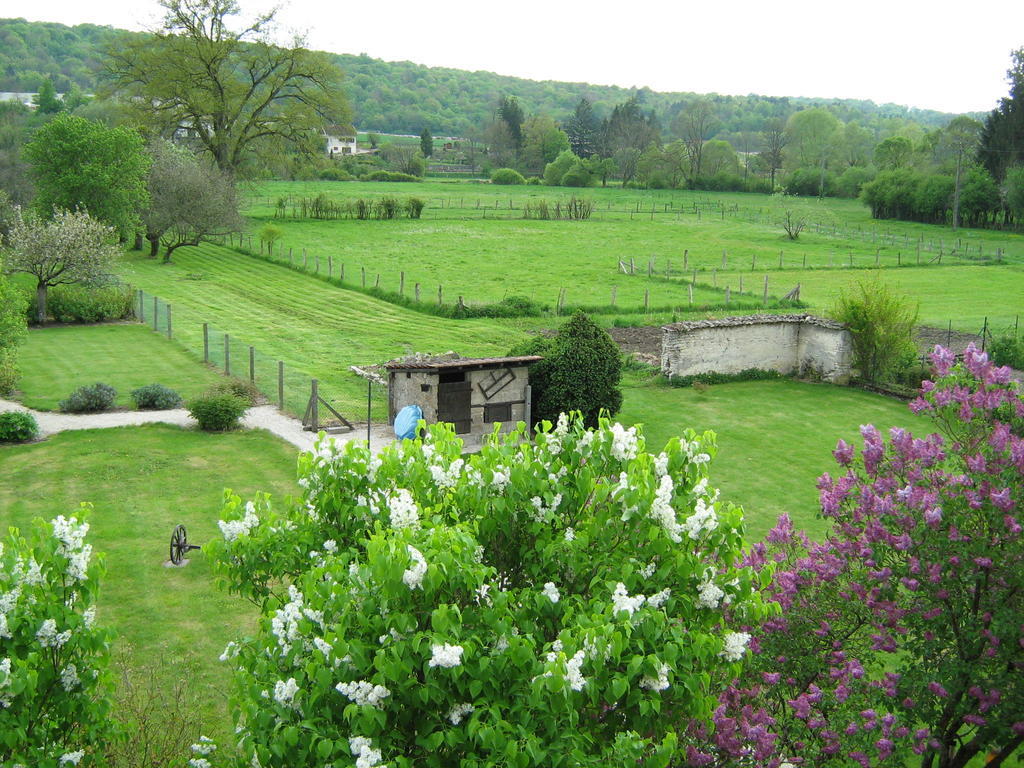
643 342
927 337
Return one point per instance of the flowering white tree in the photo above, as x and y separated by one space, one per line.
53 656
72 247
544 603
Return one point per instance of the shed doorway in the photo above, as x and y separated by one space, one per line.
454 395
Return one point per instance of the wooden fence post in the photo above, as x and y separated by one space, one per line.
169 336
439 295
156 314
252 364
765 300
727 295
142 305
647 299
206 342
317 264
741 283
227 355
330 266
689 291
280 385
363 270
401 284
314 402
614 291
417 293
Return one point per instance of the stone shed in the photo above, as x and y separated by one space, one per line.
471 393
802 344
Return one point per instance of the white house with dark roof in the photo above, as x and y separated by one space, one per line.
341 140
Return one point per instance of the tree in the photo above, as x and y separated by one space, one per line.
46 100
882 323
543 140
557 168
405 158
695 124
719 157
894 153
232 89
1002 136
511 114
77 163
961 138
629 127
899 636
190 201
582 129
812 140
1015 194
775 140
72 247
426 608
580 371
426 143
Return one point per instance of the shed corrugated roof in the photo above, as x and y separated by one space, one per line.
465 362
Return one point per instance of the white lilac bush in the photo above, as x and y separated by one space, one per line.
53 657
545 603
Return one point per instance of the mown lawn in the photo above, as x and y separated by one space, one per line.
775 438
56 360
142 481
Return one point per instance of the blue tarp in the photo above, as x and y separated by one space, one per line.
406 421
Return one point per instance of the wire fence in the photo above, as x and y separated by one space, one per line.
288 386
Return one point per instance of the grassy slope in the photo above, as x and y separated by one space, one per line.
774 437
54 361
142 482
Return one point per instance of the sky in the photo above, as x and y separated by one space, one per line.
929 54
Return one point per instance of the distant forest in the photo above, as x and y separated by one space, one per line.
402 97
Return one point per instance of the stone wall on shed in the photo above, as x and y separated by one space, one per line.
413 388
786 343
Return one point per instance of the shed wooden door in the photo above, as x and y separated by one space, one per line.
453 404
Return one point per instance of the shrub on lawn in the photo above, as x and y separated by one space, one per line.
244 390
155 397
54 659
390 176
87 304
507 176
882 323
91 398
17 427
414 207
217 412
1008 350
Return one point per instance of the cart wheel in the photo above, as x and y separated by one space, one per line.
179 544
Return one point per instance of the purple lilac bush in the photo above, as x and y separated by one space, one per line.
901 636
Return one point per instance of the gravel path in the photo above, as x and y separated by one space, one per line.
259 417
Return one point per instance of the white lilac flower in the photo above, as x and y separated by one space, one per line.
363 693
621 600
573 676
701 487
284 692
702 520
72 758
481 594
232 529
205 746
542 513
501 644
34 575
89 617
330 546
570 534
284 624
413 577
199 762
69 677
69 533
648 570
445 655
658 598
586 439
661 464
230 651
48 636
735 645
5 632
551 592
458 712
500 478
662 511
403 510
701 458
659 683
624 442
323 646
366 756
709 594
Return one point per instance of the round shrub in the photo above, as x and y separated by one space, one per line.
507 176
577 176
91 398
155 397
243 390
17 427
535 181
217 412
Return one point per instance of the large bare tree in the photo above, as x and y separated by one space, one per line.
695 124
231 89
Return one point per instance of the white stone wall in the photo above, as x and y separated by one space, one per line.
806 348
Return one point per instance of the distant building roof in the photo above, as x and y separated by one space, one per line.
725 322
465 362
346 129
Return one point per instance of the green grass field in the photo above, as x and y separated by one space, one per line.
142 482
775 438
54 361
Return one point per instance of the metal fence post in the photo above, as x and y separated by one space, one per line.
314 401
142 306
156 314
206 342
169 322
227 355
